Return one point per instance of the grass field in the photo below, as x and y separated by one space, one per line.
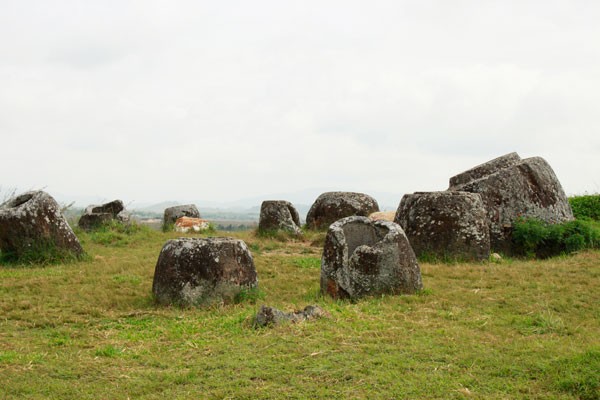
90 330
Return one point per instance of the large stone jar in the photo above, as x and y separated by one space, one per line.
363 257
446 225
203 271
172 214
33 222
278 215
332 206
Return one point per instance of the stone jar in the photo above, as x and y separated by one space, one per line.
33 220
332 206
362 257
203 271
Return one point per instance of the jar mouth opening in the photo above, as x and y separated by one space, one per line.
19 200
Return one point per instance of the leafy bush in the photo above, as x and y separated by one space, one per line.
212 229
535 238
586 206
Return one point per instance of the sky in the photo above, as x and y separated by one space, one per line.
221 100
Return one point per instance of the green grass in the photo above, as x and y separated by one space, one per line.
277 234
308 262
578 375
41 252
116 233
89 330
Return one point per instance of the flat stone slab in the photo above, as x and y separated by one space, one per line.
446 224
203 271
362 257
270 316
483 170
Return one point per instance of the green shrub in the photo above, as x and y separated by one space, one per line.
212 229
586 206
535 238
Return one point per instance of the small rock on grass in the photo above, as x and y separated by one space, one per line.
270 316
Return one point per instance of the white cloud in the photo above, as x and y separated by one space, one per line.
160 99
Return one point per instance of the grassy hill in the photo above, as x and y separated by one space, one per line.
90 330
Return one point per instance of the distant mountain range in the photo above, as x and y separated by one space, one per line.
244 208
387 201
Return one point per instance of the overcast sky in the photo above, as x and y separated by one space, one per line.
221 100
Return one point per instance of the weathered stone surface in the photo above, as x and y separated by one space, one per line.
528 189
203 271
364 257
445 224
172 214
34 219
484 169
124 217
113 207
270 316
90 221
96 215
279 215
332 206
